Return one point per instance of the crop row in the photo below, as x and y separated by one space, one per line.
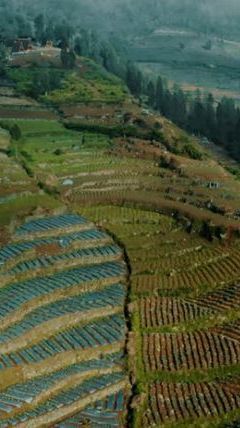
16 295
75 257
17 249
231 330
16 396
98 333
222 299
6 113
50 223
66 398
176 402
199 350
113 295
159 311
103 413
219 272
177 261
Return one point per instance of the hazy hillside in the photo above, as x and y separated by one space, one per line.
124 16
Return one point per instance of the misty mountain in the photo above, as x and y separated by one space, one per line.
125 17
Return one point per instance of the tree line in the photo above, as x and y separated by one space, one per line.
200 114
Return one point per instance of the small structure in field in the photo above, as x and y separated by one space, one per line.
213 185
49 44
68 182
22 45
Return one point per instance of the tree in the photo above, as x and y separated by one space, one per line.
39 26
210 120
63 33
3 60
134 79
151 93
159 94
68 58
196 122
179 108
15 132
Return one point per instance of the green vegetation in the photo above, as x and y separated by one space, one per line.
95 85
24 205
35 82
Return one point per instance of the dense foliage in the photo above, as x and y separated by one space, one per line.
203 116
219 17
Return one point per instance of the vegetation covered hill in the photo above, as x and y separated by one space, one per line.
85 145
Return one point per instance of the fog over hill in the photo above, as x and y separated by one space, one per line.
220 17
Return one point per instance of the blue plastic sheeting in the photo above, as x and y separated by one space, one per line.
50 223
113 295
67 397
16 396
13 296
103 413
16 249
81 254
102 332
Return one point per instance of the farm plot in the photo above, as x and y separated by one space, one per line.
22 112
163 311
223 299
62 334
186 351
175 273
221 270
104 413
187 402
19 194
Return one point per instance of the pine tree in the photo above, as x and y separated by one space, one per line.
159 94
39 26
3 60
151 93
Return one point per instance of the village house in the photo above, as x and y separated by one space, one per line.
22 45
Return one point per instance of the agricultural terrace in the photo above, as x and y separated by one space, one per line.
173 210
62 342
184 308
92 167
19 193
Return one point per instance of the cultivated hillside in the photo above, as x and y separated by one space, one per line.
119 261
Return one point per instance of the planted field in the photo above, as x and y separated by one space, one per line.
63 281
175 273
104 413
186 351
62 333
26 114
222 299
162 311
188 402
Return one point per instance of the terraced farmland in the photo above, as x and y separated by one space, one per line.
64 294
63 329
184 346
